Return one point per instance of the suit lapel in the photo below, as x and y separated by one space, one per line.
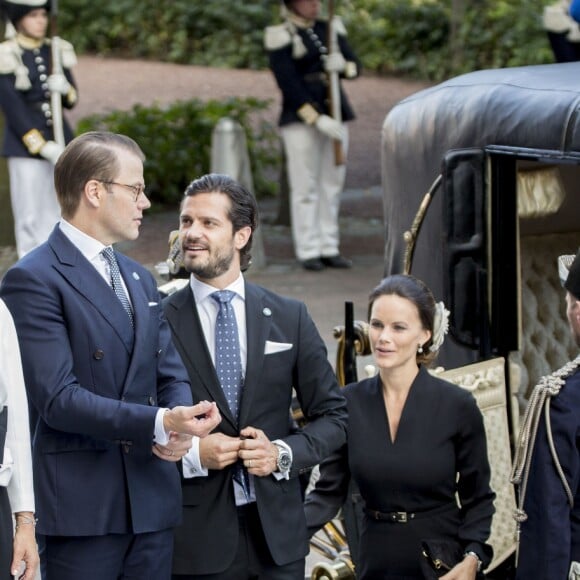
258 322
85 279
188 334
141 310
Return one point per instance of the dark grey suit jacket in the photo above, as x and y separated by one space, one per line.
206 541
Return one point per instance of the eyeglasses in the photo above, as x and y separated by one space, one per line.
136 189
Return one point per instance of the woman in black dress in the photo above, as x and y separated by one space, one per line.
416 447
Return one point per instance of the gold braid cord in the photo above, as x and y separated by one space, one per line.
548 387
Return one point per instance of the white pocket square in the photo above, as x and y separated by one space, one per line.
274 347
153 303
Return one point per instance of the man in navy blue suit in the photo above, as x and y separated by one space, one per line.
112 396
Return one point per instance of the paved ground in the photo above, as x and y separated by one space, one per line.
106 84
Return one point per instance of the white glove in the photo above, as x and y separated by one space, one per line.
330 127
335 63
574 573
51 151
58 84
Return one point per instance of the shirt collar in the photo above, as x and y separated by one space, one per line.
300 21
29 43
201 290
89 247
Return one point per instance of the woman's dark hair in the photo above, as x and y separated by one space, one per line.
420 295
243 211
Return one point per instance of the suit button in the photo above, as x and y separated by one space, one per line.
152 401
159 353
98 354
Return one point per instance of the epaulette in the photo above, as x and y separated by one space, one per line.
277 36
68 56
9 57
339 26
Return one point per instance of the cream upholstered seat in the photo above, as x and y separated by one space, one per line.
546 340
486 381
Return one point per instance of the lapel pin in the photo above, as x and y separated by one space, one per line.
135 276
267 312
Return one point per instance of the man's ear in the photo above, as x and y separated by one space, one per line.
93 192
242 236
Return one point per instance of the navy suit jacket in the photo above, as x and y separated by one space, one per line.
207 539
96 386
550 537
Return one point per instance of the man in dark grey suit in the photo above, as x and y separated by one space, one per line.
242 515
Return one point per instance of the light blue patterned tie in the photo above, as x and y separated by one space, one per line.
109 255
228 366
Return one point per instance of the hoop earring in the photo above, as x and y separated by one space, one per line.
420 349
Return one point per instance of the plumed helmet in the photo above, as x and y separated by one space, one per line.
569 271
14 10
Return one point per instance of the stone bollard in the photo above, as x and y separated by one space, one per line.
229 156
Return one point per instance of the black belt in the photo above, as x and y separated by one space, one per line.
405 517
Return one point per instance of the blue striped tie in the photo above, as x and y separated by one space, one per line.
109 255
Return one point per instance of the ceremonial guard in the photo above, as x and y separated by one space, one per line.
546 467
35 83
308 56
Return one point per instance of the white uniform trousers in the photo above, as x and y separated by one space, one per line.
316 183
34 204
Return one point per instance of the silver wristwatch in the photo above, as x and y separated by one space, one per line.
284 460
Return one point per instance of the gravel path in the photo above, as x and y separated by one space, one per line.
106 84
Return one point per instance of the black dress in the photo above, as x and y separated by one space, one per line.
440 450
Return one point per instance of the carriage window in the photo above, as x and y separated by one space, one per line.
549 226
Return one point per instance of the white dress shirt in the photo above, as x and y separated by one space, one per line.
207 309
16 467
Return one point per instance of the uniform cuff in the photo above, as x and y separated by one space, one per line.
308 114
34 141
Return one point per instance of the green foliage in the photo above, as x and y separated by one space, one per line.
396 35
217 33
177 141
430 39
426 39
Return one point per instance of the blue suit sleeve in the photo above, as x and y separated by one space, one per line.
73 391
575 10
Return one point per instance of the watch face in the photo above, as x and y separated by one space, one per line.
284 462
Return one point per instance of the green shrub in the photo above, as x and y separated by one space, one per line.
177 141
421 38
413 37
217 33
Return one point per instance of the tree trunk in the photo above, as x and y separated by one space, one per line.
455 40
